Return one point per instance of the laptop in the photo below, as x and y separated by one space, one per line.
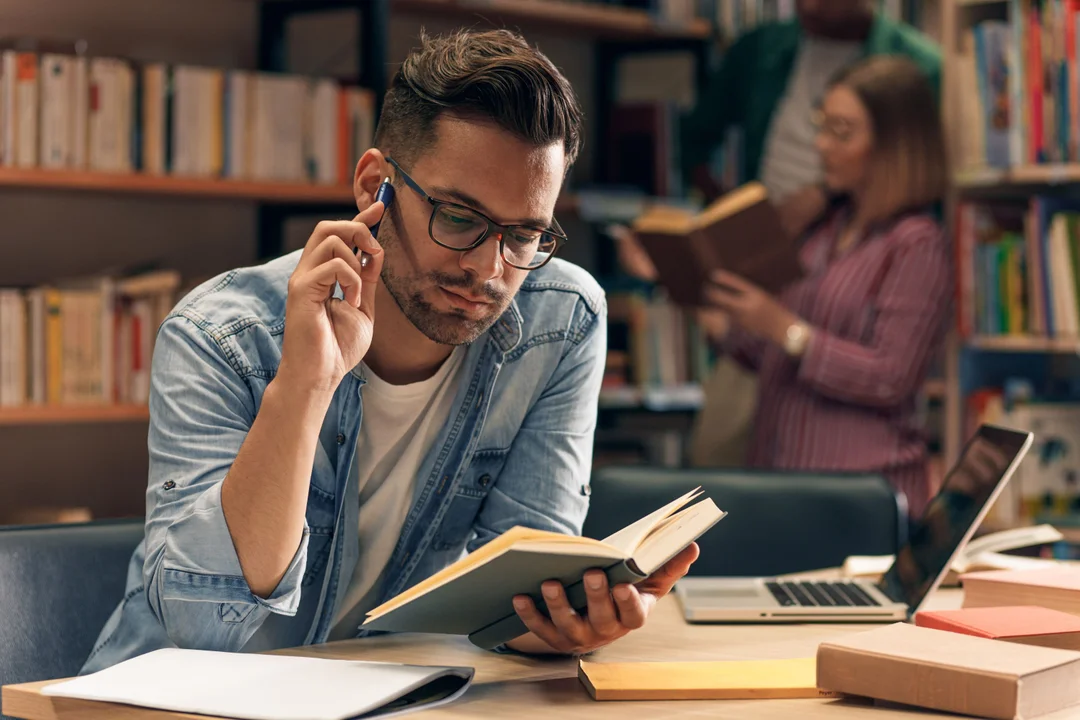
968 491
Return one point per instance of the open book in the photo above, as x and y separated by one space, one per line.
983 553
474 596
739 232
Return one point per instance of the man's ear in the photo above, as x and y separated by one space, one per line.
371 169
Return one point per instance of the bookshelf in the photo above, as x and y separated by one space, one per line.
73 414
1012 217
1024 344
170 185
203 188
600 21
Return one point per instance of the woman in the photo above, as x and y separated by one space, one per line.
841 354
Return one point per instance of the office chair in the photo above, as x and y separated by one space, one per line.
58 586
777 522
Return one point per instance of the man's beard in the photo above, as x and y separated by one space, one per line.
446 328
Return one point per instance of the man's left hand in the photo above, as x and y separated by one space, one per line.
611 612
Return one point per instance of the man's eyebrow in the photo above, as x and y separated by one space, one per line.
466 199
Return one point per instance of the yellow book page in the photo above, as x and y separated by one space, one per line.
722 680
730 204
496 547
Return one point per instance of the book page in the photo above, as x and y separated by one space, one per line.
1012 539
630 537
672 537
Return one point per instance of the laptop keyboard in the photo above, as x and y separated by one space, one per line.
820 594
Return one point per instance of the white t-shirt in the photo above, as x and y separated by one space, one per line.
791 160
399 425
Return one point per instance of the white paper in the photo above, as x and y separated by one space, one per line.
256 687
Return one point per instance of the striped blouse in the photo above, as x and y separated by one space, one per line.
878 312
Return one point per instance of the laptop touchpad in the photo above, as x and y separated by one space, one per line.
728 593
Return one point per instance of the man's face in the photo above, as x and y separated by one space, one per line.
824 17
452 297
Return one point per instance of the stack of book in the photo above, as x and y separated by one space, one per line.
1019 92
1019 268
105 114
653 343
82 342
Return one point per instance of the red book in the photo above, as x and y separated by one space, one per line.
1026 624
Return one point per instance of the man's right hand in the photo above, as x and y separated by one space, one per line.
326 337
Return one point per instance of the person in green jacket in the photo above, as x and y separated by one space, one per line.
768 85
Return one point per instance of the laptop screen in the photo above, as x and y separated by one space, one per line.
966 494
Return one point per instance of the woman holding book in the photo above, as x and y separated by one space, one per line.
841 354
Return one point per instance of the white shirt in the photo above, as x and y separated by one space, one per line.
399 425
791 161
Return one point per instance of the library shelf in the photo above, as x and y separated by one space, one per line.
607 21
145 184
167 185
72 414
1048 174
1024 343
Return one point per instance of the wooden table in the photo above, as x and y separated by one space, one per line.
523 689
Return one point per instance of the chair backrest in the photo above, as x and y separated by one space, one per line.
777 522
58 586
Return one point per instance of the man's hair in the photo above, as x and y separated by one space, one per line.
909 167
491 75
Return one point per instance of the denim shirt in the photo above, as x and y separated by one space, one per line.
516 450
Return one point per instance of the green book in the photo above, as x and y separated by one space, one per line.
474 596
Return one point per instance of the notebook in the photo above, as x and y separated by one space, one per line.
739 232
474 596
268 687
723 680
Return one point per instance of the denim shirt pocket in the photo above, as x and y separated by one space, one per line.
476 481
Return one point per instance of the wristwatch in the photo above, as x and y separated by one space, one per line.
796 338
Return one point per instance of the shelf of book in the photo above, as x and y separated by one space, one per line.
72 414
1047 174
146 184
1024 343
597 19
676 398
168 185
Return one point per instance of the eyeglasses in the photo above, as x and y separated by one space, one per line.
839 129
459 227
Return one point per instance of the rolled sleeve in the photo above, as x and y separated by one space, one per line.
201 409
194 543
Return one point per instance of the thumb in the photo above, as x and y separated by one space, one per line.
371 215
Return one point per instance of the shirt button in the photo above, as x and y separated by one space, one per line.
484 480
341 439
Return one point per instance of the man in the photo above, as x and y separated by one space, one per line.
315 451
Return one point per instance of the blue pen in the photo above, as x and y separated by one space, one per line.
385 193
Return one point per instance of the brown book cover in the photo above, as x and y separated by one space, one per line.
950 672
1026 624
740 232
1056 588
